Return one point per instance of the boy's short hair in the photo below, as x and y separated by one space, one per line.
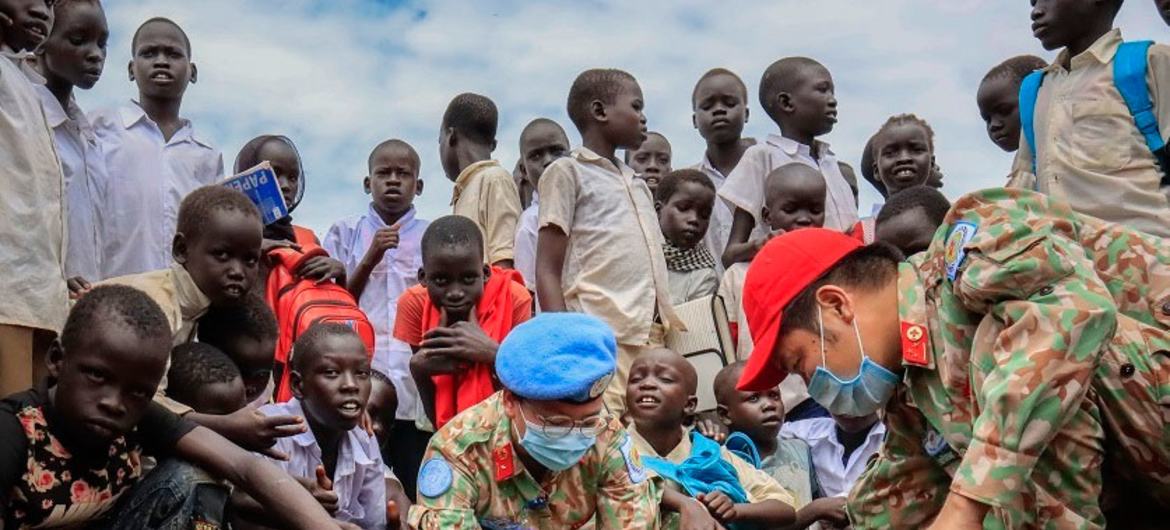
536 122
597 84
727 378
932 202
381 377
108 303
395 142
194 366
163 20
717 72
672 181
868 267
473 116
900 119
252 318
63 6
451 230
198 206
1015 68
782 76
307 346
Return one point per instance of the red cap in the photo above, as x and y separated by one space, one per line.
782 269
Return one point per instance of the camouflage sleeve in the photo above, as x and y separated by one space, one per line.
456 494
903 487
1054 316
625 497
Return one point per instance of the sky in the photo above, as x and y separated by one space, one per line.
340 76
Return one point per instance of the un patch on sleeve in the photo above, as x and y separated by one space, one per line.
636 471
435 477
960 235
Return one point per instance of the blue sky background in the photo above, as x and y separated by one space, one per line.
339 76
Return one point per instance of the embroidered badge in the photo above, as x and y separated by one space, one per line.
599 386
636 471
435 477
961 234
937 448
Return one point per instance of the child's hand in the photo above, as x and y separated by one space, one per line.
321 488
694 516
384 239
427 363
720 505
321 269
830 510
463 340
252 430
77 287
708 425
268 245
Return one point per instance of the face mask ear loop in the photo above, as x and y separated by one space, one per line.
821 327
860 346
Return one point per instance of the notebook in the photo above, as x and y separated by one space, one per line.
706 343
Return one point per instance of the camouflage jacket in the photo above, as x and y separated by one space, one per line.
1034 342
472 477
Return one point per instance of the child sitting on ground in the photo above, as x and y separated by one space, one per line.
205 379
246 333
72 453
331 385
685 200
599 252
541 142
660 400
651 160
286 164
910 218
455 319
797 94
998 99
759 415
484 191
153 156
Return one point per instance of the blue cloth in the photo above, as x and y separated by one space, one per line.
739 444
558 356
705 471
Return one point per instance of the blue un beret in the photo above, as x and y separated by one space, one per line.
558 356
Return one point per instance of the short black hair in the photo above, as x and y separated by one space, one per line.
868 267
162 20
901 119
1015 68
628 156
119 304
729 375
198 206
782 76
473 116
451 230
379 376
308 345
598 84
395 142
717 72
931 201
538 122
867 171
252 318
195 365
672 181
61 7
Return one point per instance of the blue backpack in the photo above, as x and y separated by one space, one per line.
1129 77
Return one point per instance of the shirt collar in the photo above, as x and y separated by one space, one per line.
405 221
792 147
192 302
133 113
465 176
55 114
1101 52
352 440
587 156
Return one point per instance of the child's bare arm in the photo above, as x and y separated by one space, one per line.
740 247
771 513
420 372
830 509
278 492
551 244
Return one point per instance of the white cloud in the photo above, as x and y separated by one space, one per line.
339 76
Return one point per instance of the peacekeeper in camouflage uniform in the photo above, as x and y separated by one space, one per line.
542 453
1025 374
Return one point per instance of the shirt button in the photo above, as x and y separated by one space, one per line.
1127 370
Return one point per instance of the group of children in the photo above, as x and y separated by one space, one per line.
168 350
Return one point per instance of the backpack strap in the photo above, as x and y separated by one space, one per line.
1129 76
1029 91
292 259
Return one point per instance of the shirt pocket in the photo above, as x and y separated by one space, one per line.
1101 136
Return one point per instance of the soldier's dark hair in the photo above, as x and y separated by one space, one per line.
451 230
473 116
308 346
160 20
783 76
107 305
598 84
869 267
672 181
714 72
932 202
198 206
195 365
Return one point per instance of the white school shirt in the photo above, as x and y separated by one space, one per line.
147 178
84 169
744 187
835 477
347 241
525 246
359 478
719 230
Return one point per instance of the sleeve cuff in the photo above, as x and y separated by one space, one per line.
993 475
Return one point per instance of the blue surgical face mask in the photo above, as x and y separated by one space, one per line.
557 448
864 394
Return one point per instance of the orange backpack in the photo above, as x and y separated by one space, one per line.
298 304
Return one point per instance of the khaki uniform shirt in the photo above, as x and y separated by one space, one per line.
485 193
472 477
1089 151
1034 339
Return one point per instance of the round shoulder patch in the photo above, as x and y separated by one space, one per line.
435 477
